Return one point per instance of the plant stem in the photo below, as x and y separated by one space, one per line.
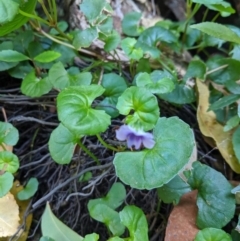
105 144
88 152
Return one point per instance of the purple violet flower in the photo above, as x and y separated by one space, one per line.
134 137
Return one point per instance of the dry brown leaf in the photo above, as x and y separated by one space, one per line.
8 148
9 215
182 220
211 128
23 234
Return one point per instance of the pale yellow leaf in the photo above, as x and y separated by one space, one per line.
9 215
23 205
211 128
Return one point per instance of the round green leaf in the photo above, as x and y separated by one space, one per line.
212 234
161 86
92 8
128 46
6 182
29 190
113 199
9 161
84 38
91 237
134 219
12 56
75 112
8 10
114 86
8 134
35 87
144 104
109 217
112 41
149 38
130 23
47 56
216 204
154 167
62 144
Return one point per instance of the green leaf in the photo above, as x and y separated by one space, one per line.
218 31
224 101
130 24
92 8
61 144
53 228
236 143
212 234
8 161
224 8
91 237
112 41
144 104
232 123
6 182
108 216
128 46
161 86
46 239
216 204
84 38
151 168
62 25
19 19
196 69
115 239
58 76
134 219
150 37
83 78
8 134
47 56
34 87
114 86
113 199
235 235
21 70
75 112
8 10
12 56
173 190
29 190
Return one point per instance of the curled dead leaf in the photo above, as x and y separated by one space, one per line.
211 128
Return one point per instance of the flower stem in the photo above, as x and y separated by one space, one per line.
88 152
105 144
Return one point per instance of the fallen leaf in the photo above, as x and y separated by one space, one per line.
181 224
211 128
8 148
9 215
23 234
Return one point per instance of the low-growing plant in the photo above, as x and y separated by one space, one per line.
149 151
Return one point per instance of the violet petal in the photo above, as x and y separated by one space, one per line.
123 132
133 140
148 142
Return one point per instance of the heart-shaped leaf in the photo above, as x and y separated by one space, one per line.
8 134
8 161
149 38
29 190
161 86
212 234
62 144
154 167
216 204
114 86
134 219
34 87
143 103
76 113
